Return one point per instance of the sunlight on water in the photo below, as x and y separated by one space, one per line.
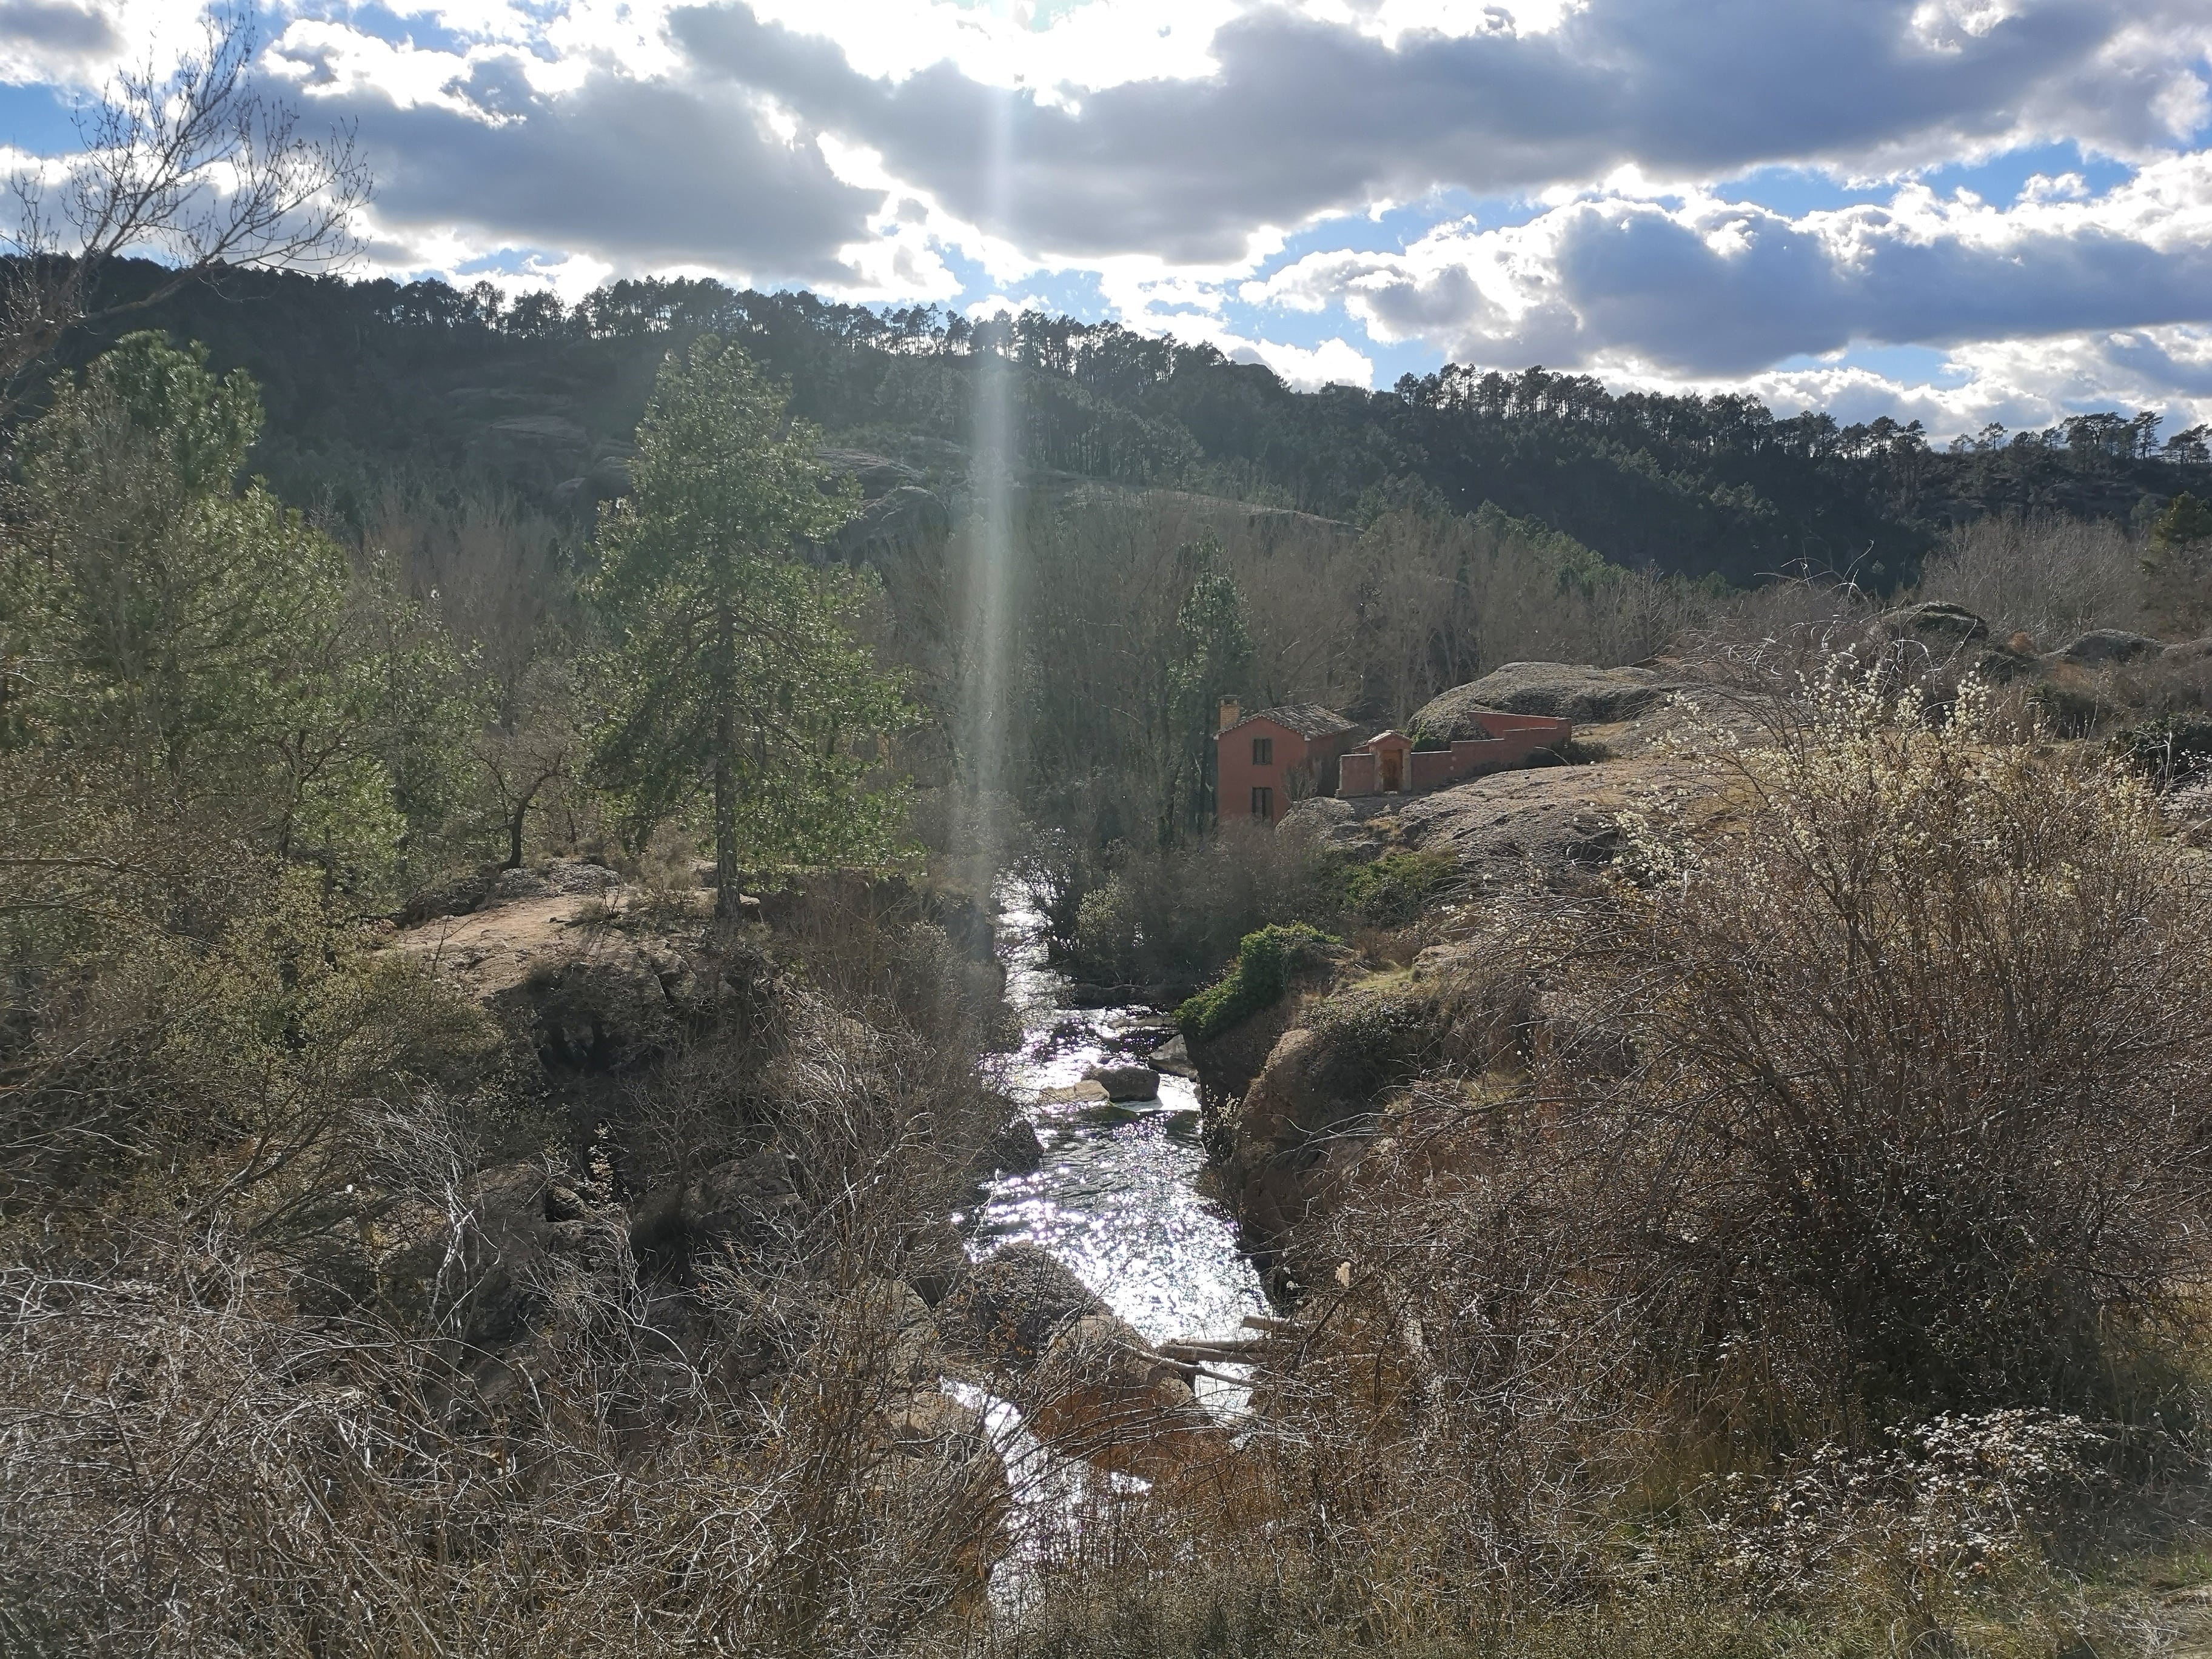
1116 1198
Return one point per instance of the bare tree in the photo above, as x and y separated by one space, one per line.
196 166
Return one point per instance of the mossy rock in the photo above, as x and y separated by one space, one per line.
1267 961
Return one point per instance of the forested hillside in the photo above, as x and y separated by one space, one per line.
364 381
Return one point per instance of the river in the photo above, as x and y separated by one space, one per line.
1117 1197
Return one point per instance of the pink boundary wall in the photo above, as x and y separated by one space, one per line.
1512 739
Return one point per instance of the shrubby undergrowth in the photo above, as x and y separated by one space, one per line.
1793 1243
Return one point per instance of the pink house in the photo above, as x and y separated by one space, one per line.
1265 762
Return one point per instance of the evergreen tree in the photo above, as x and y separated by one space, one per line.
1212 657
2178 565
2185 522
733 678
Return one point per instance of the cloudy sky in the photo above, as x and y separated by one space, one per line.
1964 210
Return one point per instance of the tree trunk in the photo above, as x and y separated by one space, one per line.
726 779
726 816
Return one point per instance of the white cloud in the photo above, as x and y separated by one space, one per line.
1333 363
329 59
1709 286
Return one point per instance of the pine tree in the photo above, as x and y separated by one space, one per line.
2185 521
734 681
1214 655
2178 565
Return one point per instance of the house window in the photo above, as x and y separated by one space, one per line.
1263 751
1263 803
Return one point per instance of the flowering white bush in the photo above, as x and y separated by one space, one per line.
1948 1503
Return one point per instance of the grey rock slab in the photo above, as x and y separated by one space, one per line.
2106 645
1568 691
1126 1082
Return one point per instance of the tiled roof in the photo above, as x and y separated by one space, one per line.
1308 720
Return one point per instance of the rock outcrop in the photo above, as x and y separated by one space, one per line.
1005 1312
1569 691
1550 826
1274 1141
1085 1380
744 1201
1936 623
541 949
2100 646
877 475
898 526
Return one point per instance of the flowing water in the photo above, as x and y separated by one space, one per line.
1117 1197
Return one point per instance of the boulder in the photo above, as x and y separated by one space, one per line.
2100 646
1936 626
1344 827
745 1200
1014 1149
1005 1312
1586 696
1173 1058
1085 1093
558 875
2005 662
609 476
455 895
1126 1082
929 1438
1085 1380
491 1261
1102 1394
936 1260
903 1334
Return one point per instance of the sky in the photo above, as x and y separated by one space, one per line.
1959 212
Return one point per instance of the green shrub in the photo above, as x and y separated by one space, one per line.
1265 962
1395 889
1108 934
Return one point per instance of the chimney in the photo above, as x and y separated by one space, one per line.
1230 713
